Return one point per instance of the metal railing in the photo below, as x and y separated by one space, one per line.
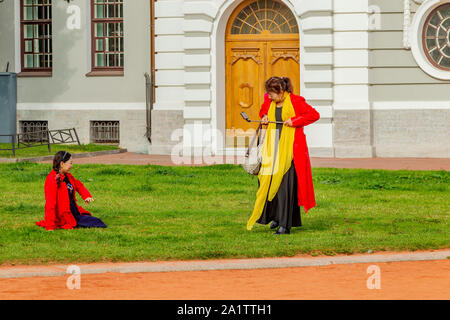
41 138
36 129
105 131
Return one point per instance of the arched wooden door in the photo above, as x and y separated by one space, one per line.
261 41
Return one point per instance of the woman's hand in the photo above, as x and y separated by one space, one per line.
288 123
265 120
89 200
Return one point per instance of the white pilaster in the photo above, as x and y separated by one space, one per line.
351 48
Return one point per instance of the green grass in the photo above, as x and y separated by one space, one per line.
43 150
166 213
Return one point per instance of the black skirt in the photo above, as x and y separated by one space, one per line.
284 207
83 221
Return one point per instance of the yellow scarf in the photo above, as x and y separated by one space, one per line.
274 166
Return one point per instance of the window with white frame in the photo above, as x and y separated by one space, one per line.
436 37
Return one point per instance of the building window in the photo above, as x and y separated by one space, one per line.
436 37
265 16
107 35
33 131
36 35
105 132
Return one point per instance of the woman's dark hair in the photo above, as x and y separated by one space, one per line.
61 156
278 84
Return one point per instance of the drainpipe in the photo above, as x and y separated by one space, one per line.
150 79
148 105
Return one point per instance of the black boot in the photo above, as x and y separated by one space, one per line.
283 230
274 225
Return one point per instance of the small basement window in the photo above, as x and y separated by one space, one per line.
33 131
105 132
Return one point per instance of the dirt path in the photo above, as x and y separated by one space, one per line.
398 280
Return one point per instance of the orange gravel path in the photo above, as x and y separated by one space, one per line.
399 280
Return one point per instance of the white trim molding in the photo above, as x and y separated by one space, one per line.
411 105
81 106
414 37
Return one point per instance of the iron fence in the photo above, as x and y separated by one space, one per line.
27 140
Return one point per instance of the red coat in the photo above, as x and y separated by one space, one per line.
57 203
304 115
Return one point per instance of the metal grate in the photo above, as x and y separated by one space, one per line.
105 131
34 131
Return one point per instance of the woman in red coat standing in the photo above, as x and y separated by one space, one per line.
61 209
285 179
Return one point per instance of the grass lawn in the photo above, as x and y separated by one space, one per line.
43 150
165 213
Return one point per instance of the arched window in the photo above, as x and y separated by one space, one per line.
264 16
436 37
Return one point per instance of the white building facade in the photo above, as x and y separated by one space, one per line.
362 66
378 72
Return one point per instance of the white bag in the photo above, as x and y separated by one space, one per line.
253 157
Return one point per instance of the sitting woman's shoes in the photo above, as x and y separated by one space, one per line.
274 225
283 230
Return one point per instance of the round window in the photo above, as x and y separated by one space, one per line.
436 37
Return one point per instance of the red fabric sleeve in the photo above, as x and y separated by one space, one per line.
51 189
81 189
265 106
305 114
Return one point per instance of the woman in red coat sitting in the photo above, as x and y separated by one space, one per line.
61 209
285 180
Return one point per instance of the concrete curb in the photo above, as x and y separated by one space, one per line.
74 155
238 264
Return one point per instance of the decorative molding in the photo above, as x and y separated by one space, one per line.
245 54
407 21
406 24
242 95
285 53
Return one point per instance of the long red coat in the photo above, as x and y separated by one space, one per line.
57 203
304 115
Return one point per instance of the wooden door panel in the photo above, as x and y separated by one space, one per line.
245 71
283 60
